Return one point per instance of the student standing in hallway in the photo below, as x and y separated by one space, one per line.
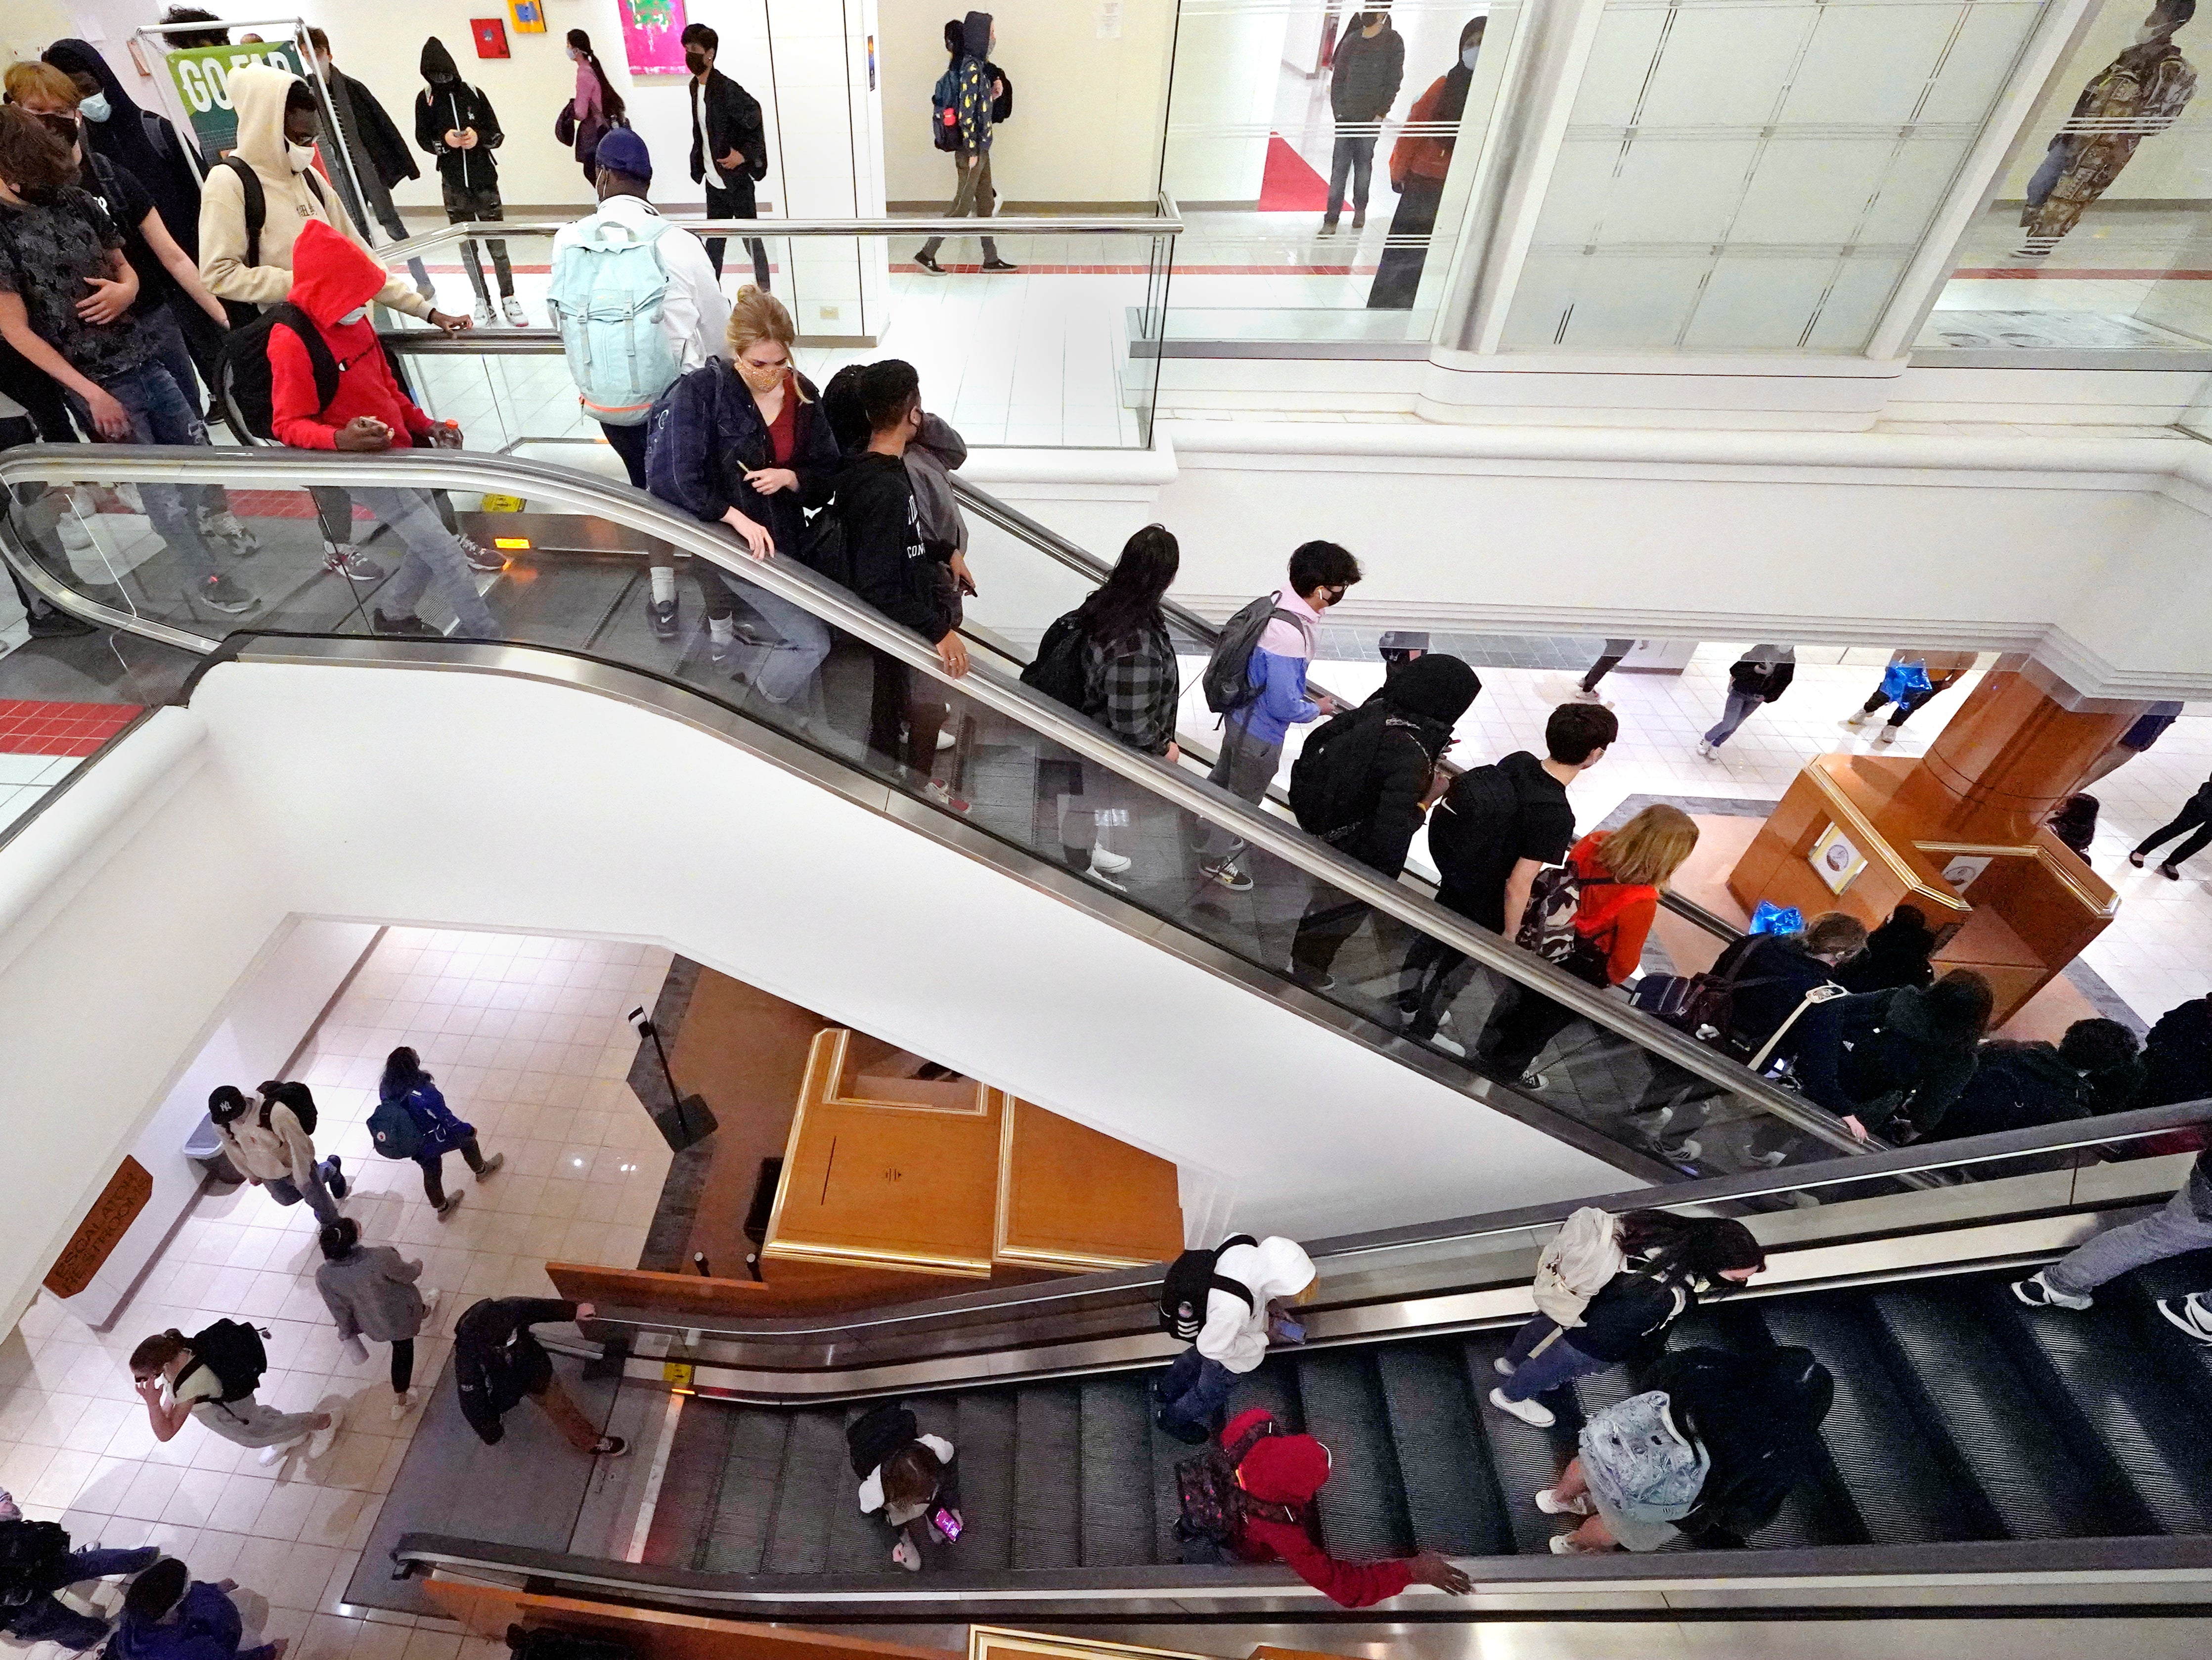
976 92
729 145
2196 817
456 122
1419 162
1363 84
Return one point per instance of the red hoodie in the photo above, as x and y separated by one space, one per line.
1289 1469
330 278
1615 916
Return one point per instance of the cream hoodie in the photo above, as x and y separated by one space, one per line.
282 1152
1235 1334
258 94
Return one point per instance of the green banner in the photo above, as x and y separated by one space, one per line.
201 74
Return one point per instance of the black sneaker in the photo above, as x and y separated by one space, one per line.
409 624
480 557
339 1186
58 625
663 612
928 263
221 593
1000 264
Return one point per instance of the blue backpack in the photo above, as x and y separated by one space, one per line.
1632 1450
944 111
605 299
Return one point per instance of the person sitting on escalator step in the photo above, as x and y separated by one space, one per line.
908 1476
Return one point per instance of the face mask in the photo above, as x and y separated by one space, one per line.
298 157
695 62
575 57
95 108
762 380
1469 57
354 315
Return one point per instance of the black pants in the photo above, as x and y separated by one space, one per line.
1520 1026
737 204
1907 706
1398 272
629 442
901 697
31 386
1433 974
403 1365
434 1186
2191 817
1329 920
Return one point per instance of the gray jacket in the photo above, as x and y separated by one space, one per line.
931 459
372 1294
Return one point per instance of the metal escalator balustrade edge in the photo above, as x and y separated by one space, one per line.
585 493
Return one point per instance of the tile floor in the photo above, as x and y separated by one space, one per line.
525 1035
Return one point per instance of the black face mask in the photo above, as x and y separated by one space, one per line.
41 195
695 62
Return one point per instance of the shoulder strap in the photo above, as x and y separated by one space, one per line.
1221 1282
316 190
266 1107
256 205
1819 995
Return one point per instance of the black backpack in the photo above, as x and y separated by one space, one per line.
32 1556
1475 817
1190 1278
1057 669
1332 785
1227 677
232 1350
246 381
295 1095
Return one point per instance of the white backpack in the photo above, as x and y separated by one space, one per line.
1582 1255
606 298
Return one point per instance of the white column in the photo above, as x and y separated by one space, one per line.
828 131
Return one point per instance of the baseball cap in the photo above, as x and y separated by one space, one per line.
623 151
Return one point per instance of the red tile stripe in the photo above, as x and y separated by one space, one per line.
2040 273
35 726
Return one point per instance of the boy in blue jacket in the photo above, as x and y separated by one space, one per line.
1252 734
168 1616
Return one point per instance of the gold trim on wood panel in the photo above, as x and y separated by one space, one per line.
986 1641
2107 907
1036 1257
828 1049
872 1256
1875 845
980 1109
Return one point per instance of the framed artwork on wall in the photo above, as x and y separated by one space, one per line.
653 36
490 35
1836 858
528 16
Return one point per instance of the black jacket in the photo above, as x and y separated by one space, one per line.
892 567
1896 955
377 139
706 433
497 1360
2177 1056
1880 1057
160 159
1364 77
455 105
1626 1320
878 1433
732 122
1377 768
1758 1416
1772 974
2017 1087
1765 680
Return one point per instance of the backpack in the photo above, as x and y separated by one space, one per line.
32 1559
393 1129
232 1350
242 312
1641 1456
1472 820
1227 677
1701 1005
1332 787
823 550
1190 1279
605 299
944 112
299 1098
1548 927
1580 1258
1213 1506
245 381
1057 669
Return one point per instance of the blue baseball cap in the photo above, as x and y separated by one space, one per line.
623 151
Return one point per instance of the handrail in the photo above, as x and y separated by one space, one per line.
587 493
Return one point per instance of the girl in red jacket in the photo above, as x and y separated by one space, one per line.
332 282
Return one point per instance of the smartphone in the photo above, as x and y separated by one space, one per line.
1289 1330
947 1522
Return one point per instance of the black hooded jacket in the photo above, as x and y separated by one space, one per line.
1759 1418
732 121
2017 1087
1887 1058
1896 955
141 142
377 141
449 104
1362 781
497 1360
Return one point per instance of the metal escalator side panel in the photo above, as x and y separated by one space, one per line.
1047 1530
817 1476
1453 1501
1966 1388
1117 1472
1523 1459
733 1537
1361 1507
983 1447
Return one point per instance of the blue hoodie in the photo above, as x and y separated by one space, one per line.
1278 670
207 1627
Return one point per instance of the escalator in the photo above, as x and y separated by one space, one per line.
1631 1092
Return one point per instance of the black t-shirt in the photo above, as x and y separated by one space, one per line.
46 252
1543 830
117 189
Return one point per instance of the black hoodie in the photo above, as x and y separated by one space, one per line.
143 144
1363 778
450 105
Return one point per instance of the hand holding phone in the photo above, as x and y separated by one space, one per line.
947 1521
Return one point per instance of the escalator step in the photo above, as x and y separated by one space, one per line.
1363 1509
1524 1459
687 1486
1273 1386
1167 1505
1117 1472
2180 1358
817 1478
734 1534
984 1444
1904 1488
1452 1500
2140 1429
1048 1531
856 1541
1964 1386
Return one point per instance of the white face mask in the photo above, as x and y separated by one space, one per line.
95 108
1469 57
298 157
354 315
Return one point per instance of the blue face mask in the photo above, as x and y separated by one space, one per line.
1469 57
95 108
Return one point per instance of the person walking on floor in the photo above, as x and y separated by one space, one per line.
1252 1284
1608 661
169 1615
593 111
384 161
371 1292
333 281
1363 83
456 122
272 1146
975 91
745 443
1271 695
211 1375
1760 676
498 1362
413 1089
2195 817
1495 828
39 1563
1419 161
729 145
623 252
1901 684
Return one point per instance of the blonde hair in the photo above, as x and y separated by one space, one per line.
754 317
32 79
1649 848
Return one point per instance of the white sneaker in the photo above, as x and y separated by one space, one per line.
511 308
282 1449
1705 748
1504 1367
429 1302
2038 1293
1859 717
946 738
482 315
1563 1544
404 1404
1549 1502
319 1444
1886 735
2189 1315
1527 1411
906 1555
1110 864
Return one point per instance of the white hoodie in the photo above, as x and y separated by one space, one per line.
1234 1334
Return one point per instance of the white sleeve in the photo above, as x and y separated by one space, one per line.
693 313
940 1446
1221 1337
872 1491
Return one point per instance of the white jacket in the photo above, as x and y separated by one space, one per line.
282 1152
1235 1333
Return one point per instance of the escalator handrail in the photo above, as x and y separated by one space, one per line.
588 493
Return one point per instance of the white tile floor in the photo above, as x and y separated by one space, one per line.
25 780
526 1037
2158 953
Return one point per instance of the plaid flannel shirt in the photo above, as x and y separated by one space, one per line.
1133 691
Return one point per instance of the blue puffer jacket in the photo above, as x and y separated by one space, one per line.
1282 702
207 1627
441 1131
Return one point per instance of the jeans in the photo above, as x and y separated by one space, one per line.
802 639
1195 1394
172 353
972 194
1245 767
317 1195
432 553
2191 817
253 1423
1561 1362
2173 1231
736 205
1739 706
629 442
159 415
434 1186
1354 154
1433 974
44 1620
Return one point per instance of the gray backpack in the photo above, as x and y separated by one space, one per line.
1227 677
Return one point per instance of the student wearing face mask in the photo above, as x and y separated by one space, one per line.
456 122
596 110
729 145
1419 163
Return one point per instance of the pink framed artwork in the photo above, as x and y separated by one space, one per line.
652 36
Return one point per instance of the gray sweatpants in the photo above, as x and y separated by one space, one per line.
2175 1229
1245 767
253 1423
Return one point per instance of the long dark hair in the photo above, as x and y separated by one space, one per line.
1696 1250
403 1071
1130 596
611 102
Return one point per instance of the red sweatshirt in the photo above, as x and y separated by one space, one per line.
1289 1469
330 277
1624 910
